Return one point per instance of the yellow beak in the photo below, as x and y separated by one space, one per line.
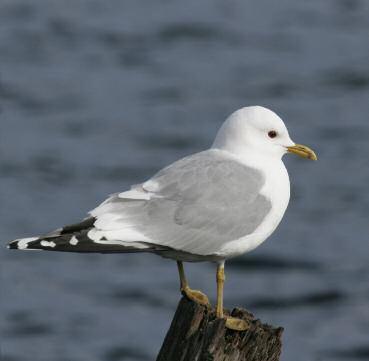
303 151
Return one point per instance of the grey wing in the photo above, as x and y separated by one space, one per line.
196 205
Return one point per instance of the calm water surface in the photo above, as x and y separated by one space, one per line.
95 96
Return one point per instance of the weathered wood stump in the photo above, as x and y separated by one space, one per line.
197 335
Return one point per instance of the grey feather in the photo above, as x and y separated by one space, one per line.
198 204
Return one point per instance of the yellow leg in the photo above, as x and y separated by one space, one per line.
220 287
193 295
231 322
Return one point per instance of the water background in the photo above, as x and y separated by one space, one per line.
98 95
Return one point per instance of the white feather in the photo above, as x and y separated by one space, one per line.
48 244
135 194
74 241
23 243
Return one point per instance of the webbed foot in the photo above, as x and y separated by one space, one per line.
236 324
196 296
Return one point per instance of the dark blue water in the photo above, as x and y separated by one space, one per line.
95 96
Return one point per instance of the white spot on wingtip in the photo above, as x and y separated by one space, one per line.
23 243
95 235
48 244
74 241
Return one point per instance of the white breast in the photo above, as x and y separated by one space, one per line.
277 189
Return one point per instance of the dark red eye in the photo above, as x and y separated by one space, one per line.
272 134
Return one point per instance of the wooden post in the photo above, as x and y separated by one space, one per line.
197 335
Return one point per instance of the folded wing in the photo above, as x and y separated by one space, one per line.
195 205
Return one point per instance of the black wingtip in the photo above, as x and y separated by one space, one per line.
22 243
12 245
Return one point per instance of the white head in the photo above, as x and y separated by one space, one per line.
260 131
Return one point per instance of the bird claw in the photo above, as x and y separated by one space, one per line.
196 296
236 324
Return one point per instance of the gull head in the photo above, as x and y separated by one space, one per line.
258 131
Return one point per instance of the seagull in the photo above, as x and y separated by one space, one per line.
210 206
